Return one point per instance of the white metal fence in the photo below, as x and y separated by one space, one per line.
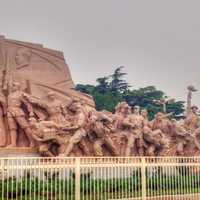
133 178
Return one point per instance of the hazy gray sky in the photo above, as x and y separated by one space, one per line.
158 41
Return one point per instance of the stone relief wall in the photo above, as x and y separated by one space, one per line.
40 109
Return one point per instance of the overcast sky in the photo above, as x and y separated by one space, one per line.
158 41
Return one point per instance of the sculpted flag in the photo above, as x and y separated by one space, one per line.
37 69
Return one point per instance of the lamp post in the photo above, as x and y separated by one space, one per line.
164 102
190 89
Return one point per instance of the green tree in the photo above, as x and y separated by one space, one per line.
144 97
88 89
118 84
103 85
110 90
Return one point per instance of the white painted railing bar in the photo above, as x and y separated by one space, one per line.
88 178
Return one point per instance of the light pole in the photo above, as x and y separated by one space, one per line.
190 89
164 103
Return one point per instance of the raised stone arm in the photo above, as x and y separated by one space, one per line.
35 101
28 106
190 89
38 139
50 124
70 128
63 108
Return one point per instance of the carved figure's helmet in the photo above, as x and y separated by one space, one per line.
144 112
122 107
136 109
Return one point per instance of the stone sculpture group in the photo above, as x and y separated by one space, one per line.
44 112
76 129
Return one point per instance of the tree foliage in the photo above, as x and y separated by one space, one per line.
112 89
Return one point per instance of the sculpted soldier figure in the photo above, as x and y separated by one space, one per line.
78 128
162 123
3 111
139 121
102 127
183 136
144 114
46 134
155 139
53 106
16 115
122 110
192 120
128 125
132 133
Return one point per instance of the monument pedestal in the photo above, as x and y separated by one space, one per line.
15 152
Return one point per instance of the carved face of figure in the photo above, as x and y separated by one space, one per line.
159 116
125 109
22 56
144 113
15 87
136 110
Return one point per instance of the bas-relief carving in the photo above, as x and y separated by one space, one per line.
39 108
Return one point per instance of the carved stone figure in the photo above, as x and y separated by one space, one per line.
39 71
16 116
192 120
102 127
53 106
78 128
3 112
47 135
139 121
162 123
22 58
122 111
184 137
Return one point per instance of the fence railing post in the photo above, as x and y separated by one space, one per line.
143 178
77 179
